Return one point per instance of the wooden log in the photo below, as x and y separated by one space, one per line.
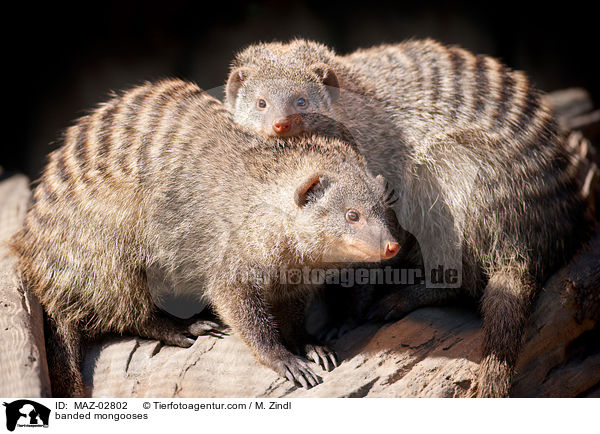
23 368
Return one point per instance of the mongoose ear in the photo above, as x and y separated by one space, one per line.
329 78
236 79
310 190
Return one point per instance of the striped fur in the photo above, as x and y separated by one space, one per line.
485 183
157 178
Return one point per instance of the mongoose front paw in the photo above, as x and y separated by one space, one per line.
185 336
205 327
297 371
177 339
322 355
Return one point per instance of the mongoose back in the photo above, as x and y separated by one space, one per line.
157 179
484 180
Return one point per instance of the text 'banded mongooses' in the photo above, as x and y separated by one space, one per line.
484 180
157 179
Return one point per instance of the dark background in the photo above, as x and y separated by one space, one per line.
63 59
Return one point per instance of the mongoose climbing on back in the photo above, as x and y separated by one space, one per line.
484 181
157 181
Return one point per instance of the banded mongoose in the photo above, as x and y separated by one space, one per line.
158 179
484 180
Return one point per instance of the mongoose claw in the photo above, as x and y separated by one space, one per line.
186 336
210 328
178 340
298 372
323 356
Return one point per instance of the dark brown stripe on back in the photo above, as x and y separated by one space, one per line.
41 218
157 115
175 123
181 112
46 194
415 56
529 110
81 148
482 84
507 91
436 81
457 65
539 148
131 134
105 140
60 168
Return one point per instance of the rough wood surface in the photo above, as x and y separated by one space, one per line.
23 369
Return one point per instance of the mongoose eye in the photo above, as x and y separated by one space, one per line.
261 104
352 216
302 102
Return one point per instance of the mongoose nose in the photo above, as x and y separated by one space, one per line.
391 249
281 126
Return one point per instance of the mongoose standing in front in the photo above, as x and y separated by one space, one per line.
157 179
485 183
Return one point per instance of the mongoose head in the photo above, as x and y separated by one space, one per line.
339 212
282 89
349 216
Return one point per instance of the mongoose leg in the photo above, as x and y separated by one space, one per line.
291 319
63 350
404 300
504 307
179 333
247 313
